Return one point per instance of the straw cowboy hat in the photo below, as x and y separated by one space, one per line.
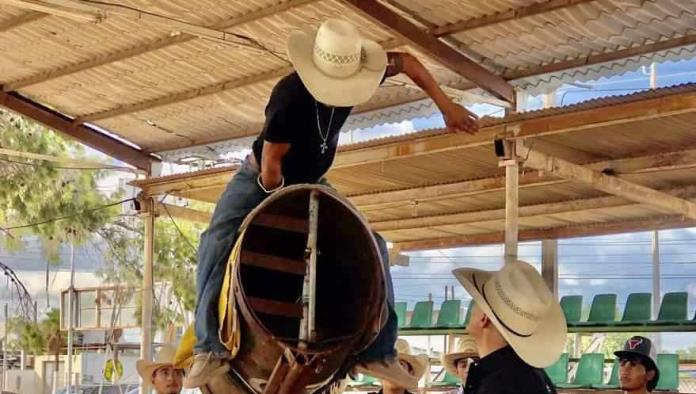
337 66
520 305
396 374
164 358
466 347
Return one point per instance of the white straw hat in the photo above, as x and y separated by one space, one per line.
164 358
520 305
466 347
394 372
336 64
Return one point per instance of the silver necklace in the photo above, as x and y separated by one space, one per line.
323 136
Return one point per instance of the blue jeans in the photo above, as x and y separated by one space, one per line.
241 196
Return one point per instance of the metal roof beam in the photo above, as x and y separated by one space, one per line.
21 20
635 165
606 183
83 133
584 230
438 50
505 16
488 216
175 38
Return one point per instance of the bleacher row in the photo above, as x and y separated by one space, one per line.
589 374
603 312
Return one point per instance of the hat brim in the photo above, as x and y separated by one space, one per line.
395 373
543 347
340 92
147 368
449 361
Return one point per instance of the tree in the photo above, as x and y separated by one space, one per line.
687 354
174 264
39 191
32 337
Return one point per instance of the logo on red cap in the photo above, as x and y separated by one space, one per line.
634 343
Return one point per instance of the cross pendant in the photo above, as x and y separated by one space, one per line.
323 147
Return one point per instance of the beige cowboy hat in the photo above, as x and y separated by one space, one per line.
466 347
336 64
520 305
163 358
394 372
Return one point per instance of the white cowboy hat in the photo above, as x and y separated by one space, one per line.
164 358
520 305
337 66
394 372
466 347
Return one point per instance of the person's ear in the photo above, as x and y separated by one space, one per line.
485 321
650 375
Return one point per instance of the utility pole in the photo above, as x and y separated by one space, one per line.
71 297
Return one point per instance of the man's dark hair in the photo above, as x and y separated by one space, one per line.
649 366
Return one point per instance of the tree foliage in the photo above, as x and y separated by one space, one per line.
174 264
35 191
33 337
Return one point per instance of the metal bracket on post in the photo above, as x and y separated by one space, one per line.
506 150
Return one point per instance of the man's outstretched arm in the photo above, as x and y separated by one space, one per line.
457 118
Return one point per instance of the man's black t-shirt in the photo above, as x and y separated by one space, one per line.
291 117
504 372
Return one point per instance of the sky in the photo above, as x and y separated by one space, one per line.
620 264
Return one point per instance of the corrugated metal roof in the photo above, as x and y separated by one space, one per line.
162 75
438 189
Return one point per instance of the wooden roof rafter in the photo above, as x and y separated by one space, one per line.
590 115
607 183
466 212
524 71
510 75
432 46
589 60
664 222
83 133
28 17
635 165
512 14
532 126
174 38
525 211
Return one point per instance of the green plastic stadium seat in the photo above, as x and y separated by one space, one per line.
364 380
673 309
558 372
589 372
447 380
468 313
668 364
422 316
638 309
602 312
400 309
613 382
450 313
572 308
